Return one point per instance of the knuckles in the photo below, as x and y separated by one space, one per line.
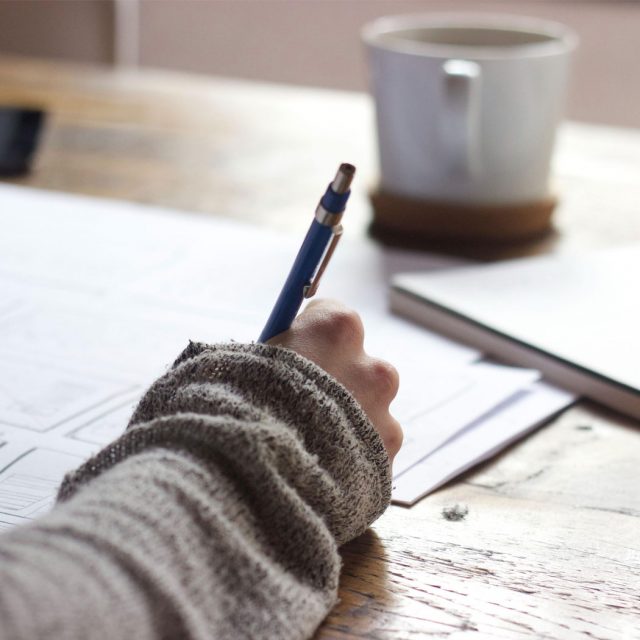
393 438
384 378
342 326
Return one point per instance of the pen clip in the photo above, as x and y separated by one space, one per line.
312 287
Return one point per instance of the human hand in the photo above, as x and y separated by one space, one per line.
332 336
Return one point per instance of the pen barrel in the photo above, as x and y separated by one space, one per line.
302 271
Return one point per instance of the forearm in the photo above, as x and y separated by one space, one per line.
218 514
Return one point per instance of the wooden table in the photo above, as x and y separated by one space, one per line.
550 547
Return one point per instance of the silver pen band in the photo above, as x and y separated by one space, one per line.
327 218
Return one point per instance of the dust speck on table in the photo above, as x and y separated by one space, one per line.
455 513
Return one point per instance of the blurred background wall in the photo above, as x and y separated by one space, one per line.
310 42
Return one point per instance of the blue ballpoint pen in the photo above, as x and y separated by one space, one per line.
307 269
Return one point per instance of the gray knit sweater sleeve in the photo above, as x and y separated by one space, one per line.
218 514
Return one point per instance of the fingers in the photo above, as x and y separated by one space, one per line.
375 385
332 335
383 378
391 433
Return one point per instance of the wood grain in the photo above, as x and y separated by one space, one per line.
550 547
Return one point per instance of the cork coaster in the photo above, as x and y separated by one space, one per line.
399 217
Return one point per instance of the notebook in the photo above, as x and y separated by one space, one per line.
576 318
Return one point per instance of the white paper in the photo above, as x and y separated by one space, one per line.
480 441
32 465
38 396
107 426
441 403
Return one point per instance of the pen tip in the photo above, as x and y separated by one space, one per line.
347 168
342 181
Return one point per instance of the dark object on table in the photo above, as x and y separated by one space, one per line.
455 513
19 135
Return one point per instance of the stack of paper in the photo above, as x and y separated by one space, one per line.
98 297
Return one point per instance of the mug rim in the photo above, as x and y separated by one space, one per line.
561 39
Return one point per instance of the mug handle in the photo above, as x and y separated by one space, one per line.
462 116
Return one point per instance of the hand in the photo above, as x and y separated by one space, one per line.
332 336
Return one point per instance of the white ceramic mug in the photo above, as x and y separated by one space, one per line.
467 106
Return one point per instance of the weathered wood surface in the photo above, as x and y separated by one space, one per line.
550 547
